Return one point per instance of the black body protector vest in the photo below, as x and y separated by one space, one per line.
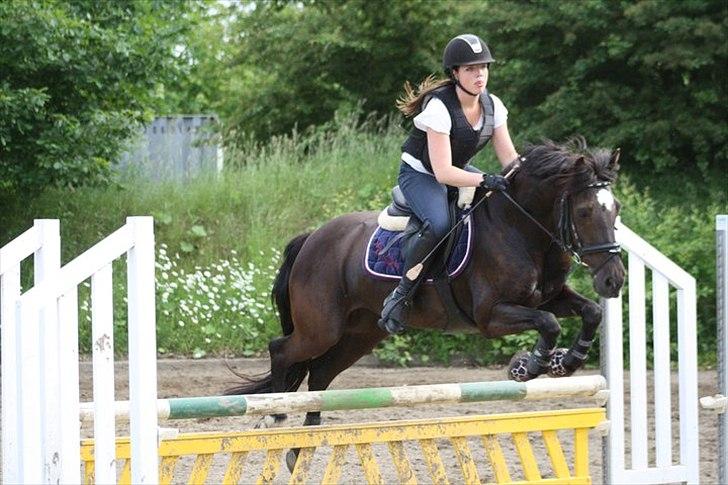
465 142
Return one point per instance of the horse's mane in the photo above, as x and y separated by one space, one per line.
557 162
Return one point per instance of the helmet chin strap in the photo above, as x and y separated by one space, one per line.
457 81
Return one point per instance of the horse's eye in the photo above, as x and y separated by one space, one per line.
583 213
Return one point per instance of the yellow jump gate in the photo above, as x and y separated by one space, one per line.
406 442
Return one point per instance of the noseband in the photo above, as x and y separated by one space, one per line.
568 239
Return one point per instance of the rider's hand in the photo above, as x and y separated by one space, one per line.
494 182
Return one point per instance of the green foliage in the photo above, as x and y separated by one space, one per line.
75 78
204 76
648 76
297 64
645 75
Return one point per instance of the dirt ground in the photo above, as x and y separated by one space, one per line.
180 378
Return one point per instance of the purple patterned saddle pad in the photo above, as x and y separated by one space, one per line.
389 265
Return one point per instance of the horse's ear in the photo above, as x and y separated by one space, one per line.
614 160
579 163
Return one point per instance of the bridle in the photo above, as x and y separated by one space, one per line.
568 239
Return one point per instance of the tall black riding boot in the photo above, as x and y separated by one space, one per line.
398 303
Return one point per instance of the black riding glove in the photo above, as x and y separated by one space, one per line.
494 182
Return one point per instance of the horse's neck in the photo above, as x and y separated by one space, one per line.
540 203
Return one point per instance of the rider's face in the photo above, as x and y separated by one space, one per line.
474 77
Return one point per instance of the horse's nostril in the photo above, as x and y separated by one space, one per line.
609 282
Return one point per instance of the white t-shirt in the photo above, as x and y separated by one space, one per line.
436 117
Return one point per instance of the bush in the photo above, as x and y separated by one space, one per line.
76 78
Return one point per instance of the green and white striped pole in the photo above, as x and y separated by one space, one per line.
369 398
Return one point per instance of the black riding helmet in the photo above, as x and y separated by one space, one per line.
463 50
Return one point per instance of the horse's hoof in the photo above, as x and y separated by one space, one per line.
270 421
557 367
517 370
291 458
564 363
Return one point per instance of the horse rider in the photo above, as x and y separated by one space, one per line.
455 118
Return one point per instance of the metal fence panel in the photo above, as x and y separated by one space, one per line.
174 147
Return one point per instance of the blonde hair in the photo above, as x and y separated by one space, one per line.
410 102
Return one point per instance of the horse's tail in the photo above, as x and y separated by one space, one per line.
281 297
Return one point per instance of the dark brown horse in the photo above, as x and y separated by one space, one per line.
515 281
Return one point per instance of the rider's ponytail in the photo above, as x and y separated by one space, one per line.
410 102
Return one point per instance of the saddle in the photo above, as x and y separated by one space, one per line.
398 216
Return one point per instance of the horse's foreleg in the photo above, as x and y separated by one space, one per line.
506 319
570 303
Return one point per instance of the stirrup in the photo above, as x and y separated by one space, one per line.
391 326
396 303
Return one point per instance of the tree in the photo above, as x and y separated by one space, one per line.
75 78
647 75
297 63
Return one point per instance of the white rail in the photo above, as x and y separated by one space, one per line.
41 434
44 243
665 274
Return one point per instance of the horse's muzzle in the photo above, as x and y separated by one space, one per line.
608 281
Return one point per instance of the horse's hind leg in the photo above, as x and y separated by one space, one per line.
569 303
285 376
290 357
344 354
